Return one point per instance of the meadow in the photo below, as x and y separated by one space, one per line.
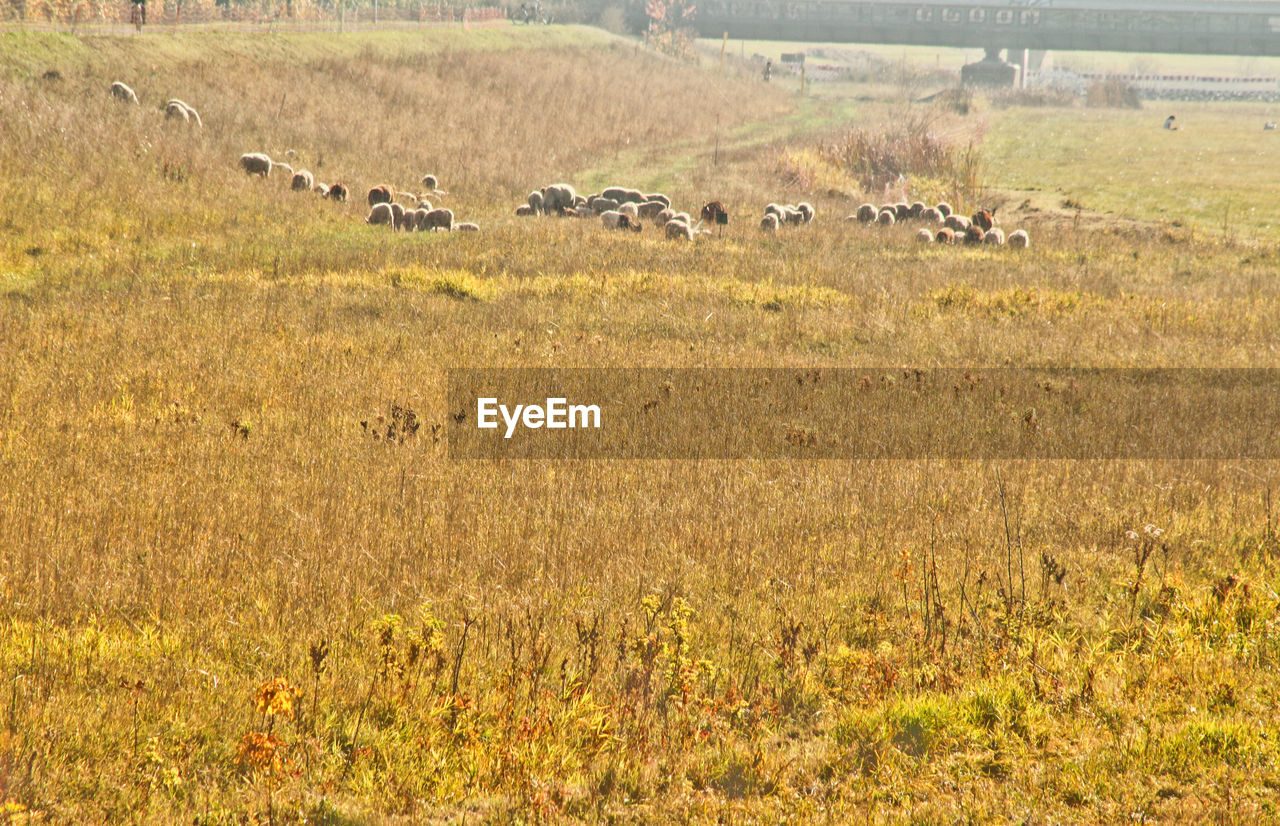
225 601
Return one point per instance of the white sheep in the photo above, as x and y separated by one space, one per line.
381 214
630 208
302 181
1019 239
806 211
617 219
769 223
559 197
256 163
957 223
321 189
120 91
175 108
536 201
525 210
995 235
466 227
679 230
931 215
924 236
430 182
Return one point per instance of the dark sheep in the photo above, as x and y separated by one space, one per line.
380 194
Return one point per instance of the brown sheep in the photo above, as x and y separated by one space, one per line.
973 235
440 219
946 235
712 210
380 194
338 192
985 219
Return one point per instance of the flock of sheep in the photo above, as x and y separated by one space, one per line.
618 208
621 208
174 109
980 228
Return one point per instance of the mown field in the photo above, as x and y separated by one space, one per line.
225 602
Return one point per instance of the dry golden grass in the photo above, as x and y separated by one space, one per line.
225 602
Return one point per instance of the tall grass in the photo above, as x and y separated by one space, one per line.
241 581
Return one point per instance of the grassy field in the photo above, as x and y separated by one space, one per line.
224 602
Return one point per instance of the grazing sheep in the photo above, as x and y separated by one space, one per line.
973 235
630 208
650 209
944 208
806 211
658 196
946 235
120 91
535 201
440 219
887 218
525 210
957 223
680 218
407 197
924 236
559 197
995 235
467 227
397 213
917 209
285 170
339 193
381 214
984 218
793 215
178 109
931 215
579 203
321 189
425 204
616 219
174 110
679 230
769 223
256 163
303 181
380 194
601 205
430 182
1019 239
624 196
776 210
902 211
867 214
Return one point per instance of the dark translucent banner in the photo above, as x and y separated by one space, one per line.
864 413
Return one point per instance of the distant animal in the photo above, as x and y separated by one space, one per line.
380 194
256 163
711 213
338 192
120 91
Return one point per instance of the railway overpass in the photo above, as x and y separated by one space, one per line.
1198 27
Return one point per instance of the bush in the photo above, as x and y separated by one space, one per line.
880 158
1113 93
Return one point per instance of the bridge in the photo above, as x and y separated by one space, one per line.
1178 26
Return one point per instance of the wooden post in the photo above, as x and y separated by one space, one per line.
723 45
802 80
